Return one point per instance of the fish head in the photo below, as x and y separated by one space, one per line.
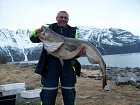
45 33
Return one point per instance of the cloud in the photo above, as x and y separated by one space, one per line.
34 13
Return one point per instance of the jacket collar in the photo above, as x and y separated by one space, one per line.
67 26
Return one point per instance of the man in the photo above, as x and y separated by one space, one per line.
51 69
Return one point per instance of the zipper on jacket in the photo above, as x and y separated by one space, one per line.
61 30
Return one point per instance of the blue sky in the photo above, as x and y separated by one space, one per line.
30 14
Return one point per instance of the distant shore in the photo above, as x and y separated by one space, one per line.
89 89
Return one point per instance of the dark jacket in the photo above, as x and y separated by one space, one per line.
68 31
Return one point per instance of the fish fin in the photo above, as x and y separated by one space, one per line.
70 47
92 60
53 46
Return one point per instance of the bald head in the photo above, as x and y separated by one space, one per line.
62 18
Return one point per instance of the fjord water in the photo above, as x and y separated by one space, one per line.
118 60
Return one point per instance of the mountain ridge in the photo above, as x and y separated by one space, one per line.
16 45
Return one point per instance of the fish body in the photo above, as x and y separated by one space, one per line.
67 48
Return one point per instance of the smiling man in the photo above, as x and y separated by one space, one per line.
51 68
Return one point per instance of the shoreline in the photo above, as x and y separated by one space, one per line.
88 86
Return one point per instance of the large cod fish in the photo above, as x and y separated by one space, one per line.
67 48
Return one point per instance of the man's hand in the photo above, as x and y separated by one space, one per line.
82 52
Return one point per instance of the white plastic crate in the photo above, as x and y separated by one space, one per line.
31 93
12 92
12 86
11 89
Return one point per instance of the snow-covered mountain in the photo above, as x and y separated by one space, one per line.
112 36
16 45
110 41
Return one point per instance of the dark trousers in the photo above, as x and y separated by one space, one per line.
51 79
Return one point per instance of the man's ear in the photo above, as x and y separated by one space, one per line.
56 18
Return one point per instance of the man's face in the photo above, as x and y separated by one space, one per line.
62 19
